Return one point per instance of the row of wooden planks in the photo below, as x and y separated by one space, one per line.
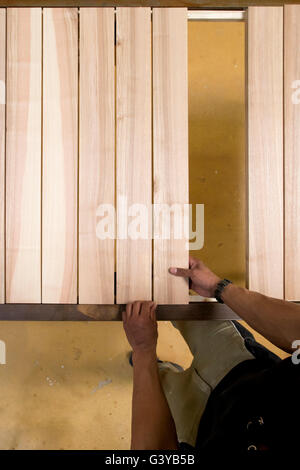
274 150
44 209
79 134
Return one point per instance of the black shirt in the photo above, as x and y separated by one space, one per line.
255 408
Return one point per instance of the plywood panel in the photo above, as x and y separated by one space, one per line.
134 177
170 143
292 150
23 156
265 165
97 149
2 147
217 142
60 155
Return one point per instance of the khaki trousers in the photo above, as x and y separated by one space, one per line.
217 347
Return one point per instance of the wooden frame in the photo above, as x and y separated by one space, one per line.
145 3
68 312
264 25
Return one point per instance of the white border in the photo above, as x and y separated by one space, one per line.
238 15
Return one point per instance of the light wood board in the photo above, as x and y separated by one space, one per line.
60 155
134 175
23 156
2 149
170 144
97 154
292 150
265 153
144 3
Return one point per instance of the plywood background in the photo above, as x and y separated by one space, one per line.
217 142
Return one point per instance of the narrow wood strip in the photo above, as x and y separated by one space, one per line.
2 149
141 3
97 154
134 178
63 312
170 146
60 155
265 156
292 150
23 156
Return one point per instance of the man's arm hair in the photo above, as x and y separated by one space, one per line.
277 320
153 427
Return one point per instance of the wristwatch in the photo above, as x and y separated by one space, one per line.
219 289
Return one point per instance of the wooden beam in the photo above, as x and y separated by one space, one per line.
170 148
134 172
61 312
97 153
265 154
60 155
23 155
145 3
292 150
2 149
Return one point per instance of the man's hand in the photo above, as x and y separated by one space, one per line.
141 326
203 280
153 427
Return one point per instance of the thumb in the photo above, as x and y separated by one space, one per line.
180 272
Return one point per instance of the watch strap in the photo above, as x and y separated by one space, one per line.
219 289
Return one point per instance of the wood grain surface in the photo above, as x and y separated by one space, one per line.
265 153
134 173
145 3
97 153
170 146
292 150
23 156
2 149
60 155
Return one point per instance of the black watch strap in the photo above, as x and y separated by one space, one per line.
219 289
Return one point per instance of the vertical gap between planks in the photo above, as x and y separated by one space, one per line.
78 144
115 156
42 136
152 168
5 142
246 94
283 148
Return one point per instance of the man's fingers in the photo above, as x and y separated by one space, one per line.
180 272
136 308
128 310
124 316
140 308
153 311
193 262
146 306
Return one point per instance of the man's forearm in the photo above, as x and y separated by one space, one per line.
277 320
152 423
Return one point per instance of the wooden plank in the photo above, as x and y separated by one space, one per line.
145 3
2 149
134 179
292 150
23 156
170 144
60 155
265 155
97 149
62 312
